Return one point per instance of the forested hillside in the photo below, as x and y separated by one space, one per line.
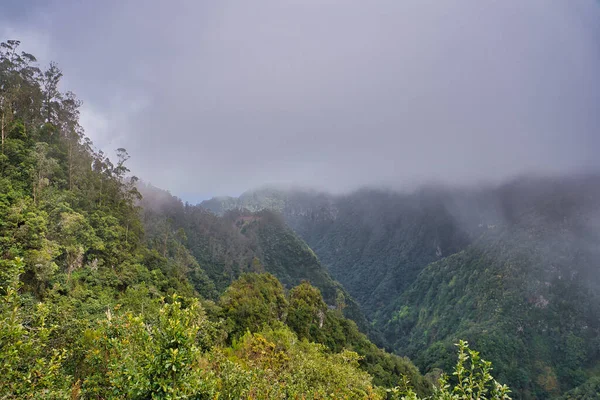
513 268
374 242
101 299
240 241
527 292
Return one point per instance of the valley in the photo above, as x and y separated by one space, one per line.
512 268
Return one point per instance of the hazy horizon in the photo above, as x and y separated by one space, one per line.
217 99
482 185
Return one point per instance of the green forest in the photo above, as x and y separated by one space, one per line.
512 269
109 294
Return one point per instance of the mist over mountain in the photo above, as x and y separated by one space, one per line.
237 242
300 200
513 267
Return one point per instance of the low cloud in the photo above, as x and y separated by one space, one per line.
217 98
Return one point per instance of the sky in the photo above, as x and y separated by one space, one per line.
218 97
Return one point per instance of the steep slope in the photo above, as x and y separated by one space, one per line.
241 241
374 242
378 243
513 268
526 293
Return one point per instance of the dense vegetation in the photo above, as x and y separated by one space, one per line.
98 302
375 243
174 348
238 242
511 268
526 293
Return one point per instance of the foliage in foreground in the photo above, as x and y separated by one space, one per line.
472 377
28 367
179 353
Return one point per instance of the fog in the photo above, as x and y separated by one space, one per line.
215 98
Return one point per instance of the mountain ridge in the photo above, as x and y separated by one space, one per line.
387 249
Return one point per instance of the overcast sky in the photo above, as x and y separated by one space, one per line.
217 97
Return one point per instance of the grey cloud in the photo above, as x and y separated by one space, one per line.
213 98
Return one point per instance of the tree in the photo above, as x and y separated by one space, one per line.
19 88
252 301
307 310
70 129
52 96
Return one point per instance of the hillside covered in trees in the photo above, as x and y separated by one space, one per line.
238 242
103 299
512 268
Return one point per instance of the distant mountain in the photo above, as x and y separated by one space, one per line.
526 292
513 268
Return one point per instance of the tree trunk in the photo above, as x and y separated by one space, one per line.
70 166
2 124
